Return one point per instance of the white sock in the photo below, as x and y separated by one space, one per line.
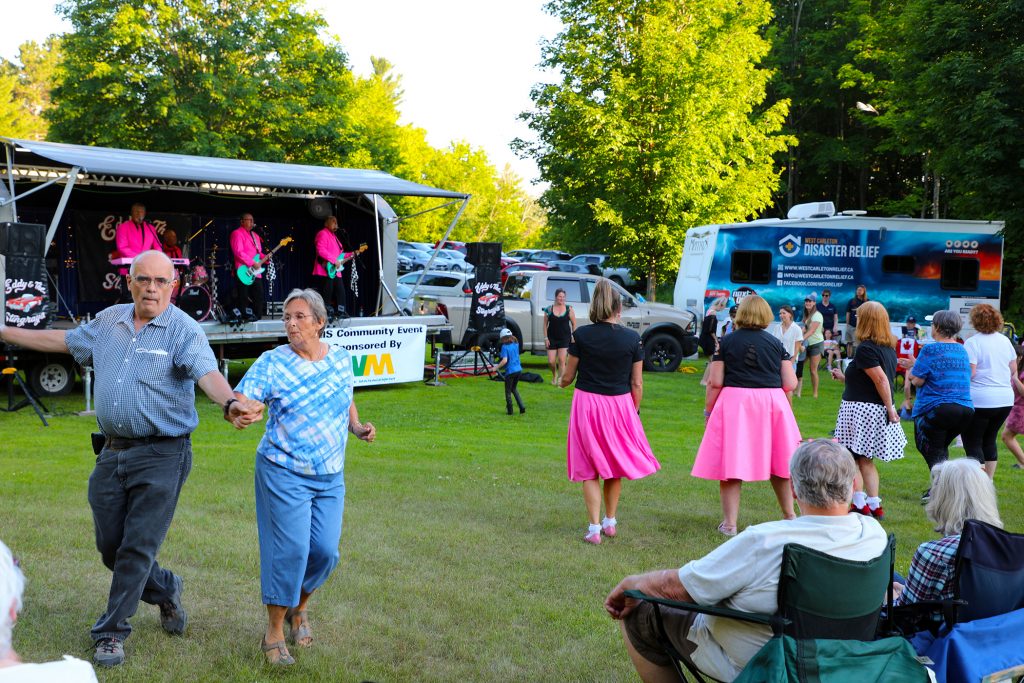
608 521
593 529
873 503
860 499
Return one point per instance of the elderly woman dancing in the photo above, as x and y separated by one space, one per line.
300 483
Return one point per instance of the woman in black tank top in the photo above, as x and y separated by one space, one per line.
559 325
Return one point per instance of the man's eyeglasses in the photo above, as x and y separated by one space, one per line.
146 280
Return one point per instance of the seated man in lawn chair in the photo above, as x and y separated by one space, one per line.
743 574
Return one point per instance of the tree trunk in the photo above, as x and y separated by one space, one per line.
652 280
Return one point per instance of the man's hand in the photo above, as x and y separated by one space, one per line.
618 604
664 583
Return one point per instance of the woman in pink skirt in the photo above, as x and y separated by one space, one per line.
751 431
606 440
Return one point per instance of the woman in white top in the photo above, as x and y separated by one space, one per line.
993 380
791 336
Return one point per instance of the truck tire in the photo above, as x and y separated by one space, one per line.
618 280
52 378
490 342
662 353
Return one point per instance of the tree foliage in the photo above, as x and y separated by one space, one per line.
25 89
259 81
656 125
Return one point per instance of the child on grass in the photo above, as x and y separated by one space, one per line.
1015 421
832 353
510 358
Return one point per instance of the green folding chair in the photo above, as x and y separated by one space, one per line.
825 627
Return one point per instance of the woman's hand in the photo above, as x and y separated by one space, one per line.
365 431
547 344
838 375
905 363
892 414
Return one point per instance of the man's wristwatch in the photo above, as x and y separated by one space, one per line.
227 405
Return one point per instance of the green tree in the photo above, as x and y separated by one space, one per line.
211 77
25 89
656 125
957 96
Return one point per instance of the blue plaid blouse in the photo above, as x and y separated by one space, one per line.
307 422
930 576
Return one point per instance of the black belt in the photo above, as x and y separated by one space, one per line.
119 443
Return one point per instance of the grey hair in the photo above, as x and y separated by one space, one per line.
822 472
946 323
139 257
12 586
961 490
315 301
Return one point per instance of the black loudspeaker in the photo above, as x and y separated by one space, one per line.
22 239
482 254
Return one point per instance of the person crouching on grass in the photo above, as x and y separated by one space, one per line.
510 358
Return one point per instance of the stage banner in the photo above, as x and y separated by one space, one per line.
94 236
24 291
382 354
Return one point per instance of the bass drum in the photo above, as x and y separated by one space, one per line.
195 301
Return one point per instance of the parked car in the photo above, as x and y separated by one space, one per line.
451 244
522 254
458 260
422 246
419 258
432 284
404 263
507 260
570 267
620 276
668 334
519 268
549 255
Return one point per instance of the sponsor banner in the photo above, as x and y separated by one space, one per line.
382 354
24 292
94 236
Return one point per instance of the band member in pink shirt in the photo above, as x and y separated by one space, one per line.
135 235
329 250
246 247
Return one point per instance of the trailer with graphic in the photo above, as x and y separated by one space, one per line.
912 266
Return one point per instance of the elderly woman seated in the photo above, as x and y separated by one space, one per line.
960 491
12 585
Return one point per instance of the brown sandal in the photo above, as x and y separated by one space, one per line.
301 635
282 658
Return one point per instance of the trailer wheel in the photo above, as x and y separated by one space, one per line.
662 353
52 378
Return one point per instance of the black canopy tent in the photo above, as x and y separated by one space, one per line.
40 179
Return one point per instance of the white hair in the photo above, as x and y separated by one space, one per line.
823 472
12 586
139 257
960 491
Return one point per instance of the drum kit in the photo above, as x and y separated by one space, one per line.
196 293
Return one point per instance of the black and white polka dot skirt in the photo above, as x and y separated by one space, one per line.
865 429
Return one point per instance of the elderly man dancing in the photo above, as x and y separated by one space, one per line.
743 573
148 358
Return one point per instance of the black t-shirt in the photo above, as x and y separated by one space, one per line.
859 386
753 359
851 308
607 353
828 316
708 332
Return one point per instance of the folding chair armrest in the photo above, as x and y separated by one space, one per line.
751 617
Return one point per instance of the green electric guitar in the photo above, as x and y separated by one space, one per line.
247 274
337 268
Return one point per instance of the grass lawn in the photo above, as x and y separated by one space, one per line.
462 551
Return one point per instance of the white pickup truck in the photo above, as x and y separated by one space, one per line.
668 333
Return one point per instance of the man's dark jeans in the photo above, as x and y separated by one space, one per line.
133 493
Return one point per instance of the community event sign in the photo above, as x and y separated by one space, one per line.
382 354
805 260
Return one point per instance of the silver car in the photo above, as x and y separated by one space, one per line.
431 284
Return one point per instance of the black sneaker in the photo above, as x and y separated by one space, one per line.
926 496
109 652
173 617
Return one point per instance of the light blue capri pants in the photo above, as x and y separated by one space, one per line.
298 518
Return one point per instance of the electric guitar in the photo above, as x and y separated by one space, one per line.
337 268
247 274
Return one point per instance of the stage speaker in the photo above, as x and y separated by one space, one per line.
22 239
319 208
482 254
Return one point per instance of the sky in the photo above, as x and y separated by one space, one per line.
467 66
